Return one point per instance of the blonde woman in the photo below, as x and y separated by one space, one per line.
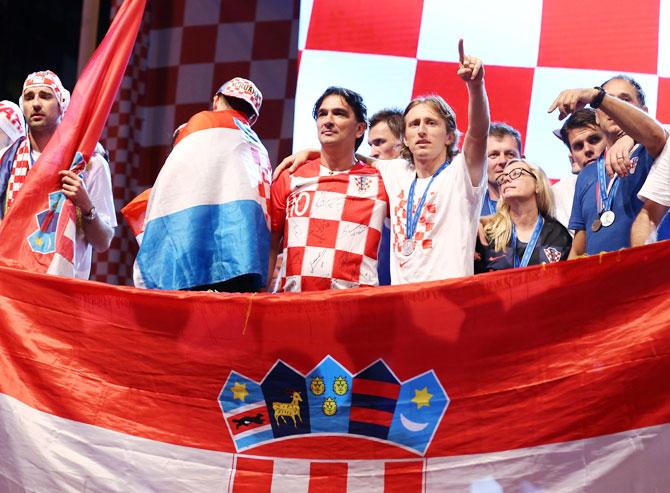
522 232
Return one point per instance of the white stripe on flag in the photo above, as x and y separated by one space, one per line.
365 476
42 452
290 475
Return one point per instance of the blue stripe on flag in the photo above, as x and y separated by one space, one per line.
254 439
205 244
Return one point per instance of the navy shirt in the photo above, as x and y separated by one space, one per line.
553 245
625 205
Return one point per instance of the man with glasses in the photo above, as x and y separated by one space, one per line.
604 208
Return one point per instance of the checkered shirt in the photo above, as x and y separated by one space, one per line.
20 167
331 225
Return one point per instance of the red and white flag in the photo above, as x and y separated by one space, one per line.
39 230
537 379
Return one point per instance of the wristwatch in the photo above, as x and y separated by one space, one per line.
598 98
90 217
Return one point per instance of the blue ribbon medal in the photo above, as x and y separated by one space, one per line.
530 246
604 197
413 218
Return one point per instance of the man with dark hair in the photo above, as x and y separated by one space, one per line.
385 134
586 142
604 209
503 144
328 215
583 138
355 103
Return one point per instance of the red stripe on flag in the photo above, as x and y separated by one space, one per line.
253 475
376 388
328 477
403 477
366 415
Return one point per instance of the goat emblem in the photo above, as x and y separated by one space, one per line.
288 409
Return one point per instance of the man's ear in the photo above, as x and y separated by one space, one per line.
451 138
360 129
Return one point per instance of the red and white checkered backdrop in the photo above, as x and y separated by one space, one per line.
394 50
185 50
389 51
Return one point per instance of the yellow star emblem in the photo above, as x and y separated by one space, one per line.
240 391
422 398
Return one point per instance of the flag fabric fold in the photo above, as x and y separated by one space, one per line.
38 230
207 219
549 378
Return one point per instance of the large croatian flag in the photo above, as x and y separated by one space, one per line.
206 219
536 380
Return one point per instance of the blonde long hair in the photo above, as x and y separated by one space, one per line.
499 230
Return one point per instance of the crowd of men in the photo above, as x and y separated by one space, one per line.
418 208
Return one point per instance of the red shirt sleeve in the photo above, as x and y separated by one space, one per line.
279 193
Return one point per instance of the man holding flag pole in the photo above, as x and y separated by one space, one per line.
65 204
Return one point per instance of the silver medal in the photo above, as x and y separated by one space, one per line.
407 248
607 218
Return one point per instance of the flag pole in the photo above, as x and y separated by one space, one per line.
88 34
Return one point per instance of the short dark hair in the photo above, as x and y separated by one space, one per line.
585 117
392 117
353 99
238 104
500 130
636 85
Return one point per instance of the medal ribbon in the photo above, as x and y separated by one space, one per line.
605 193
413 219
530 246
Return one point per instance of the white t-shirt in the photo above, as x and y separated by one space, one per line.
657 185
444 241
563 192
98 180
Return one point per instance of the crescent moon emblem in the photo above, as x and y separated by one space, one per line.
411 425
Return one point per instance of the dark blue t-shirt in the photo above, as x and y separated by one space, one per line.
625 206
553 245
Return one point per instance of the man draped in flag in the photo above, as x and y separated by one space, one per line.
207 225
43 102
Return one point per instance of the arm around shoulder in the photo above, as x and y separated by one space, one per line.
578 248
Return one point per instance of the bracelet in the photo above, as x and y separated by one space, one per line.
598 99
90 217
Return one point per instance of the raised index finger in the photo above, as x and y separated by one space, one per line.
461 52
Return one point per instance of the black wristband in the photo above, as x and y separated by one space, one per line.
598 99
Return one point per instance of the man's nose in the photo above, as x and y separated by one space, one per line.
374 152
